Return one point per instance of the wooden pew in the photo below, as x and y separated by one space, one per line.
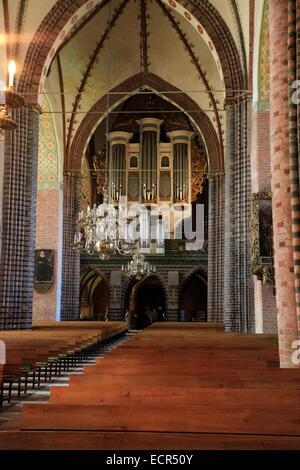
178 419
89 440
180 381
172 396
31 351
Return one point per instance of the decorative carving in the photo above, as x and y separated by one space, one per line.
199 171
126 122
174 121
99 169
261 266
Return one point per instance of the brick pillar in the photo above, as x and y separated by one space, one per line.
18 217
282 218
294 122
70 289
212 245
237 220
230 306
215 295
220 247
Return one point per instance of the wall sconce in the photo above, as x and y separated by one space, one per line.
9 99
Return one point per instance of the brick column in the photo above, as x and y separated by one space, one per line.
282 218
70 290
294 133
215 295
237 220
220 247
18 217
212 243
230 306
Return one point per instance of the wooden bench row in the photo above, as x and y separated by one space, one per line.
173 386
146 386
49 349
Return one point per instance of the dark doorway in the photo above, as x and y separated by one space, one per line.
100 300
194 298
146 295
94 296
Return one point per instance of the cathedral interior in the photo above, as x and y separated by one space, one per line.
150 185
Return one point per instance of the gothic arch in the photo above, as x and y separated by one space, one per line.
185 284
191 273
129 284
88 124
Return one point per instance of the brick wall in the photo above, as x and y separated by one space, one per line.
265 308
260 161
47 236
121 286
264 298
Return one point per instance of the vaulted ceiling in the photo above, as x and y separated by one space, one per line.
147 36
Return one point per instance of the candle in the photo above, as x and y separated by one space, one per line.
11 71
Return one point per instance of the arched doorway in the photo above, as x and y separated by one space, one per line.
94 296
148 294
193 297
100 300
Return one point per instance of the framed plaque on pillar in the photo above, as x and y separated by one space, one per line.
261 228
43 272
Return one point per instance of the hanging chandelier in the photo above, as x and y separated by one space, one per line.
104 228
104 231
138 267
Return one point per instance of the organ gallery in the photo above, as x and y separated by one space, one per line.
149 229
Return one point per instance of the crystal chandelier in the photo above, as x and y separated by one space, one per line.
138 267
104 231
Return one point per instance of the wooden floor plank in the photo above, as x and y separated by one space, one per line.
70 440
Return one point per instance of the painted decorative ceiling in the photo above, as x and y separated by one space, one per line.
264 63
158 36
48 161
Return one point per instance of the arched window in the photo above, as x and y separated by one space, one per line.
165 162
133 162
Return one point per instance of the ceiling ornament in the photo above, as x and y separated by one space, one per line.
199 171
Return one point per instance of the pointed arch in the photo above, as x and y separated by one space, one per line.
158 85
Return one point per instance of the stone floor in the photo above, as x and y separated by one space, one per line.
10 414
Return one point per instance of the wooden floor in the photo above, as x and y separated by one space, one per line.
173 386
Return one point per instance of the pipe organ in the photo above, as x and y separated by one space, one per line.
150 171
